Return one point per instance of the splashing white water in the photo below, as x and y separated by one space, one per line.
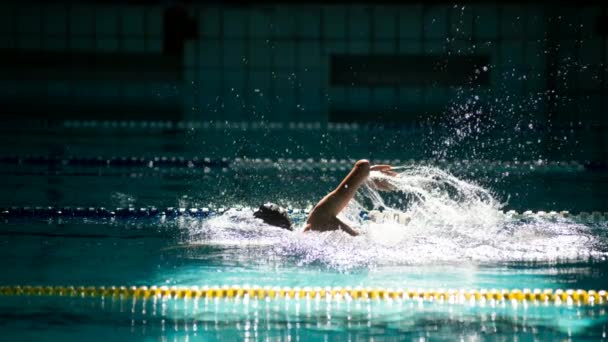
450 220
433 200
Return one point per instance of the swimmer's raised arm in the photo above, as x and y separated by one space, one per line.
323 215
335 201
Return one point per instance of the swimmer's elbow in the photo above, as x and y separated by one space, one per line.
363 166
362 163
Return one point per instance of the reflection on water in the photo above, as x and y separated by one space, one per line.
297 320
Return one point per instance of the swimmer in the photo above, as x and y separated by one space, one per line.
323 217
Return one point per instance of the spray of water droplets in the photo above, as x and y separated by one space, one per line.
449 220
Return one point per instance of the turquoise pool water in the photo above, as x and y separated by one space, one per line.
521 253
136 253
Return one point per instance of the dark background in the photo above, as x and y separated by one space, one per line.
503 69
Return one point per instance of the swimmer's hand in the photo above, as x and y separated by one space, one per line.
383 184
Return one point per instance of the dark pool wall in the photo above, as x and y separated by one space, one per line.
526 65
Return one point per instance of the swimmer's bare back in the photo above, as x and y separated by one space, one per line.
323 216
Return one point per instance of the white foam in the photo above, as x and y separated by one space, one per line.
451 220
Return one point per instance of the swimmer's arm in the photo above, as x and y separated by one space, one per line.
337 224
332 204
335 201
381 168
346 228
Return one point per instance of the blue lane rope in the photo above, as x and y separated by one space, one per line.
102 212
174 212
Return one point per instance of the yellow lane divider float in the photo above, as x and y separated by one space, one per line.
577 297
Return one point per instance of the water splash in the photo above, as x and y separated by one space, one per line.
235 228
449 221
123 199
431 196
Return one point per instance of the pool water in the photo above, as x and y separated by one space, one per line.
521 253
105 253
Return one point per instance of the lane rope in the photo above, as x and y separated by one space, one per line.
229 125
115 161
157 162
154 126
567 296
205 212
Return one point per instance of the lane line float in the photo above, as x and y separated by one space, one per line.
548 296
205 212
285 163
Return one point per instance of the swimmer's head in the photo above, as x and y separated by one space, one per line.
273 215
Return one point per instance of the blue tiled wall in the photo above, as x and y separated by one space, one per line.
272 62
